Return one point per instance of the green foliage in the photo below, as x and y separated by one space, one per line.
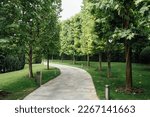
30 25
145 55
70 36
11 57
77 36
88 36
119 21
9 14
37 58
49 27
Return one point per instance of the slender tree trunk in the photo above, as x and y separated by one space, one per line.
62 58
100 61
128 52
88 60
109 64
4 69
30 62
128 67
74 59
48 61
52 55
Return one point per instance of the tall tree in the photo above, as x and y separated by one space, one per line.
29 27
104 29
49 28
120 16
77 32
126 30
9 27
88 33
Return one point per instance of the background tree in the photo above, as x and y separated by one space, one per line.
88 33
63 35
11 54
104 27
66 38
129 31
49 31
119 21
77 33
29 28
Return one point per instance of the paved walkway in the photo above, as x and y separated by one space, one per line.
73 84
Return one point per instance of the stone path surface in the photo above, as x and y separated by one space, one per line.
72 84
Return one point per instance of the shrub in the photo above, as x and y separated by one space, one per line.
11 61
145 55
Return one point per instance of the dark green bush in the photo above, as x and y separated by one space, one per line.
11 61
145 55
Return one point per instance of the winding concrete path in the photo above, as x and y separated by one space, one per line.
72 84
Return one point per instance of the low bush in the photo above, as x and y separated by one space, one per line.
145 55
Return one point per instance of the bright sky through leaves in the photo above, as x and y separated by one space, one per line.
70 8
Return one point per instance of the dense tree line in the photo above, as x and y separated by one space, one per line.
107 26
28 27
70 37
123 25
11 58
11 55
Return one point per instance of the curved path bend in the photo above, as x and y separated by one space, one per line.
72 84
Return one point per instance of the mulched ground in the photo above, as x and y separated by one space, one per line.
134 90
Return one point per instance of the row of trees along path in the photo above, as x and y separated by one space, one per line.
30 26
105 26
101 26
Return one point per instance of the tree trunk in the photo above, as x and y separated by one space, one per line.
48 61
62 58
109 64
74 59
30 62
100 61
128 52
52 56
88 60
128 67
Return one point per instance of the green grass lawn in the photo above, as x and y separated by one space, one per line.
19 85
141 79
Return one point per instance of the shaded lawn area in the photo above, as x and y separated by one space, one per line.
18 85
141 79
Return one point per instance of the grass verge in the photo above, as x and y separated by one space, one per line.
17 84
141 79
